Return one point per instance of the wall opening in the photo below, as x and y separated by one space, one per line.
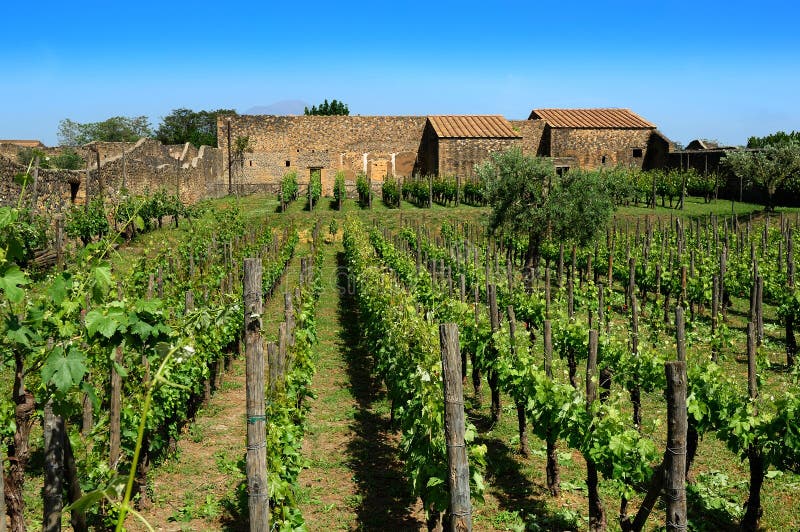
561 170
603 160
637 152
288 164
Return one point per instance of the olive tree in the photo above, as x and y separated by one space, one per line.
528 199
771 168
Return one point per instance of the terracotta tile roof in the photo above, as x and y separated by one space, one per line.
472 126
592 118
24 143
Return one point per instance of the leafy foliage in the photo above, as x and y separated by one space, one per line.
339 190
184 125
335 107
114 129
771 168
87 223
775 139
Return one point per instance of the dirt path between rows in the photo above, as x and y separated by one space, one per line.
354 480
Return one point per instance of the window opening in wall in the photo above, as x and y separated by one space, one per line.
603 160
251 163
561 170
637 152
288 163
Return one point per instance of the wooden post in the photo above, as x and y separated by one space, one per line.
258 495
288 308
272 366
114 422
460 511
476 372
553 481
59 219
677 427
522 420
35 187
494 385
2 492
597 517
759 309
754 456
680 333
52 493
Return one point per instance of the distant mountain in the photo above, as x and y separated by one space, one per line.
283 107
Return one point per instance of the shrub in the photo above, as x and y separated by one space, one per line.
68 160
391 192
339 190
289 189
362 186
314 189
87 223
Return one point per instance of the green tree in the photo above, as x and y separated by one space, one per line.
528 199
335 107
781 137
579 205
114 129
516 188
184 125
771 168
26 156
68 160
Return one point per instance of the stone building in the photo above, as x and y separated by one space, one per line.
373 145
452 144
401 146
593 138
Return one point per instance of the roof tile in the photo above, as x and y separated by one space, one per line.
592 118
472 126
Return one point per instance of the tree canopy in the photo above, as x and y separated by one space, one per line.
114 129
781 137
774 167
528 199
335 107
184 125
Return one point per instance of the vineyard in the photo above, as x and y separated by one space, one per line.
129 397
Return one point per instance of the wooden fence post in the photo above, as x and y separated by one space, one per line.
553 482
680 332
597 516
52 495
2 498
522 420
677 427
493 377
59 219
258 495
460 511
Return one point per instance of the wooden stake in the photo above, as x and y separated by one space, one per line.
52 493
677 426
258 495
597 516
460 510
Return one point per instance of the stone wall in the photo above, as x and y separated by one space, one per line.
594 148
150 166
532 133
458 156
146 166
375 145
54 188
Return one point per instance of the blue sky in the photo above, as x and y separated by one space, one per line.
696 69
